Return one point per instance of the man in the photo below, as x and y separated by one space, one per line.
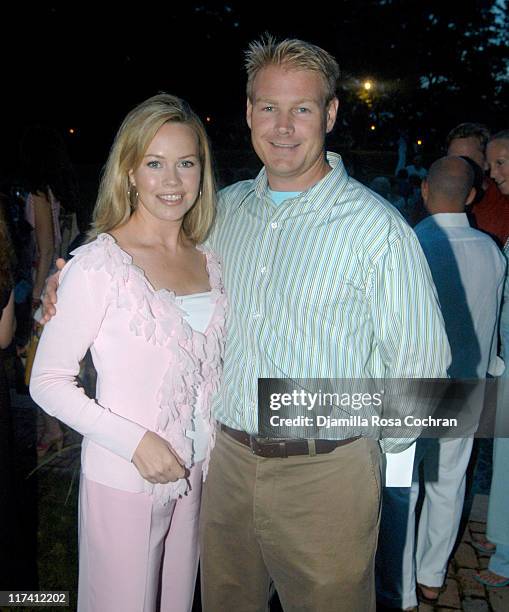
324 279
468 270
490 210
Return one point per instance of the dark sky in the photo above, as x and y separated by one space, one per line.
83 66
79 67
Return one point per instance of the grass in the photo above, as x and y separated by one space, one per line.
58 532
57 535
45 554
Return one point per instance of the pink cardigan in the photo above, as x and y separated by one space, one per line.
150 364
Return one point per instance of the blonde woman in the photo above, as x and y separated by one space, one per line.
150 305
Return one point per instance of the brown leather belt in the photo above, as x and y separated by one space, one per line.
271 447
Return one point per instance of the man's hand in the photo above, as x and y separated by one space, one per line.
49 297
155 460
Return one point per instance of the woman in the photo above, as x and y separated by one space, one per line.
497 532
7 326
7 321
51 191
150 305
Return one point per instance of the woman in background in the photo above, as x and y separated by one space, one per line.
51 187
7 327
497 530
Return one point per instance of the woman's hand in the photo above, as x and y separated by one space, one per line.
156 461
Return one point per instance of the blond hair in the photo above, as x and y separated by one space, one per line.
292 54
116 200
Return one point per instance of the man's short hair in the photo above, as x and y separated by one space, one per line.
293 54
469 130
503 135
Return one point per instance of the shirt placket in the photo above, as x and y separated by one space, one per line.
271 233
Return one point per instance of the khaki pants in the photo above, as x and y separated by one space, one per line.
309 523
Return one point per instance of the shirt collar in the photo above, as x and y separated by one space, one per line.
322 194
446 220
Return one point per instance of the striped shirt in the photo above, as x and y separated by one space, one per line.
330 284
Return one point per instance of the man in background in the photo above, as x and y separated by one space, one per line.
490 210
468 270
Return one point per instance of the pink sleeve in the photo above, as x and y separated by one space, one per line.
82 304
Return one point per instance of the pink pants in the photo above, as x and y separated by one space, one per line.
132 550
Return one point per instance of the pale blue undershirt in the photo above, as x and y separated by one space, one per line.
280 196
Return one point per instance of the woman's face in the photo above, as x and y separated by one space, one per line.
498 160
168 178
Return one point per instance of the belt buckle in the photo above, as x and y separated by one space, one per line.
275 448
254 445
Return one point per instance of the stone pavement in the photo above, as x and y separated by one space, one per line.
462 591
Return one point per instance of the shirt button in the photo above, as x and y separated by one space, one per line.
273 225
263 270
256 315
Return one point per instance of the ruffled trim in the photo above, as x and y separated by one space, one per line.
195 358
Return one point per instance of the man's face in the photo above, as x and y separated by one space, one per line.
498 160
469 147
288 118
